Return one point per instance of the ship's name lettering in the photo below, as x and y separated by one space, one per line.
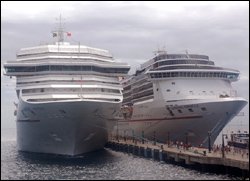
185 106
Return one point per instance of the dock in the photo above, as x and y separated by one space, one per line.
193 157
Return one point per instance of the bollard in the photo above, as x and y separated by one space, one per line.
141 151
149 152
154 139
156 154
161 155
142 137
152 153
145 152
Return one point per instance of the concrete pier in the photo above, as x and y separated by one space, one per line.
192 157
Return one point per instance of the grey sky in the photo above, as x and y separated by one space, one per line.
131 31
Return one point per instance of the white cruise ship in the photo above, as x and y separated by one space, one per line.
179 97
69 97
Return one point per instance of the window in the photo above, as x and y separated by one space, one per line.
191 110
71 68
168 90
179 111
86 68
203 109
173 83
56 67
20 69
42 68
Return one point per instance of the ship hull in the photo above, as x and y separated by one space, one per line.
184 126
66 127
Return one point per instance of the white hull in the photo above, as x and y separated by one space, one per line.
152 116
64 127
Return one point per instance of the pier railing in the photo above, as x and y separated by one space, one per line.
233 157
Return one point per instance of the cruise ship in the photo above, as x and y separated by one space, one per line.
180 98
69 96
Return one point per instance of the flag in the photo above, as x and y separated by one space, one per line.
68 34
54 34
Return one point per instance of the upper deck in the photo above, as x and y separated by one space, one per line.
62 50
165 65
162 58
63 58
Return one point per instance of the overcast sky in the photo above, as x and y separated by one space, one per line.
132 31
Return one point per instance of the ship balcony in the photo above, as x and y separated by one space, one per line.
163 74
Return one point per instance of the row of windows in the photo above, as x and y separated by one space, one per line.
64 53
141 81
188 67
178 56
143 98
127 88
61 99
69 90
127 94
129 99
187 61
67 81
191 110
194 74
66 68
143 94
143 87
180 111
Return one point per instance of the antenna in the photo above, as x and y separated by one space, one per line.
59 32
160 51
187 53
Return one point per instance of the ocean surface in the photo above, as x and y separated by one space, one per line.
102 165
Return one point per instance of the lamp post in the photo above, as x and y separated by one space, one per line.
154 139
124 135
209 141
133 134
142 137
186 138
223 145
117 131
168 138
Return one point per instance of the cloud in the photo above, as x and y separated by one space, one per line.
136 25
134 30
